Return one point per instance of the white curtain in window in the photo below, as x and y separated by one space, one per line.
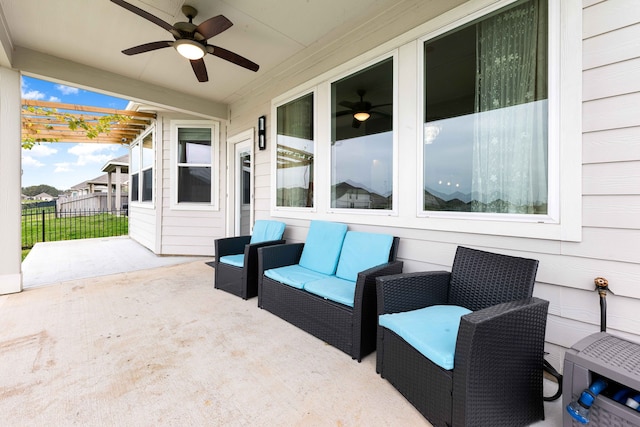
510 142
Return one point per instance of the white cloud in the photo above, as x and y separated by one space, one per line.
92 153
62 167
54 99
30 161
68 90
33 94
42 150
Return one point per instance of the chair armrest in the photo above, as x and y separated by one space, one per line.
500 351
411 291
366 282
278 256
230 246
251 253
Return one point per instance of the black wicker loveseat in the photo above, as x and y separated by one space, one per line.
326 286
483 333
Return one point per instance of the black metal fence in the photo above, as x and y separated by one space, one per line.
47 225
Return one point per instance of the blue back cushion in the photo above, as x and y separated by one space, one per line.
264 231
322 246
361 251
433 331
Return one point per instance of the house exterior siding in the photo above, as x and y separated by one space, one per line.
609 245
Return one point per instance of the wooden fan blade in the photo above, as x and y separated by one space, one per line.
213 26
200 70
232 57
147 47
344 113
144 14
382 105
355 123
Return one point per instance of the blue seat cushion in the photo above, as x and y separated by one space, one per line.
293 275
334 289
361 251
322 246
432 331
235 260
265 230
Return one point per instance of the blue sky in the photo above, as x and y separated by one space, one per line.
63 165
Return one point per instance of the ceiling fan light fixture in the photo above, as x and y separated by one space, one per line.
190 49
361 116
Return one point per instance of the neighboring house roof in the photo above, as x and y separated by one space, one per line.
122 161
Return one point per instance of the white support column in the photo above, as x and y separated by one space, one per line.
118 189
10 182
109 194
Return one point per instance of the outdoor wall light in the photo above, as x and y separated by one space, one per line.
262 132
361 116
190 49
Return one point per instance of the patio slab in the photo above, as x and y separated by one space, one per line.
53 262
162 347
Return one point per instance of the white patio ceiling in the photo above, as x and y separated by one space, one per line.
38 36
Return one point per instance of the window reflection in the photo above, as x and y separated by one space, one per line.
362 139
295 153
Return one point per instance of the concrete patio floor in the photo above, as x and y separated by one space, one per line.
161 347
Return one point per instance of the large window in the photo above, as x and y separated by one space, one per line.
362 139
486 114
295 153
142 159
194 165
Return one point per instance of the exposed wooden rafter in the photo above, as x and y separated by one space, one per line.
41 126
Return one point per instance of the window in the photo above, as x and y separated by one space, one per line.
194 165
295 153
193 156
362 139
142 159
485 145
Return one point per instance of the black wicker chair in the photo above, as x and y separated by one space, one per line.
236 263
496 378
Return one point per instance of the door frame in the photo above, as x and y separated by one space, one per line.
232 217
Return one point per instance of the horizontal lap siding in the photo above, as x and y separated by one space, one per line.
187 232
610 245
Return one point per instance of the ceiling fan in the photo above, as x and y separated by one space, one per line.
190 39
361 110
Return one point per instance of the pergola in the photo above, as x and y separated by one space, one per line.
44 121
39 125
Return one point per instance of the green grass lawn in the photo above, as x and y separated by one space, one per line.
69 227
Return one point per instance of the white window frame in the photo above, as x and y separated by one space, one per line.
563 220
274 152
138 141
565 130
394 162
215 164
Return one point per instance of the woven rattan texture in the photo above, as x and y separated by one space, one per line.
242 282
352 330
615 352
497 375
481 279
